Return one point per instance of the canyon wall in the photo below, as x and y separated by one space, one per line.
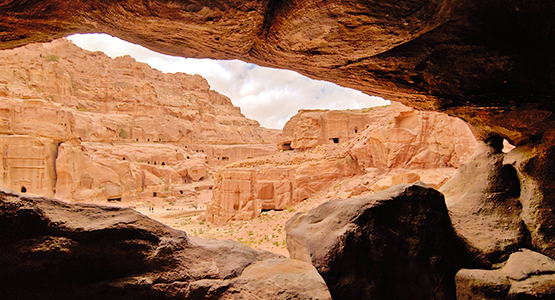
373 148
81 126
488 62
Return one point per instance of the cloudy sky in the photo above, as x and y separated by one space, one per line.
270 96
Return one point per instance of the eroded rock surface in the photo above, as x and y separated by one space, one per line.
372 147
489 62
60 91
69 251
243 190
396 244
310 128
82 126
483 201
409 139
525 275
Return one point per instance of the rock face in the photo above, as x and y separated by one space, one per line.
387 141
393 136
397 244
488 62
98 99
61 106
525 275
243 190
411 139
310 128
91 252
483 201
98 171
28 163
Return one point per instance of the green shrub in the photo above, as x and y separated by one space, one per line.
52 57
123 134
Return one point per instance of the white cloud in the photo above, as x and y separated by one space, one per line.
270 96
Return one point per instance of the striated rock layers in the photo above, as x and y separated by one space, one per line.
60 106
384 141
75 251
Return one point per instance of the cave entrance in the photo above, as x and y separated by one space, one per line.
23 189
335 140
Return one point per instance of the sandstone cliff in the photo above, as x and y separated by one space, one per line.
371 149
83 126
99 99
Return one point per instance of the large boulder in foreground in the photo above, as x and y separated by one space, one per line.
396 244
54 250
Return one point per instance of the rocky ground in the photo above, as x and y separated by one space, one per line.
265 233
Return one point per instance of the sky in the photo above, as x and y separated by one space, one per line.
270 96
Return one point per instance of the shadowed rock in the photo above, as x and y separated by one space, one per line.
396 244
55 250
525 275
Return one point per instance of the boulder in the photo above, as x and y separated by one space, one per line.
525 275
396 244
72 251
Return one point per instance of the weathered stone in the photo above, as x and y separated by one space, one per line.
396 244
243 190
488 62
113 129
69 251
70 93
387 138
483 201
27 164
407 138
525 275
534 164
310 128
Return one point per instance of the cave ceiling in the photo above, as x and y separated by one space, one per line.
488 62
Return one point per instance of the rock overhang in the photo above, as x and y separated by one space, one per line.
478 60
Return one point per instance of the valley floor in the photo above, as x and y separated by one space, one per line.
265 233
